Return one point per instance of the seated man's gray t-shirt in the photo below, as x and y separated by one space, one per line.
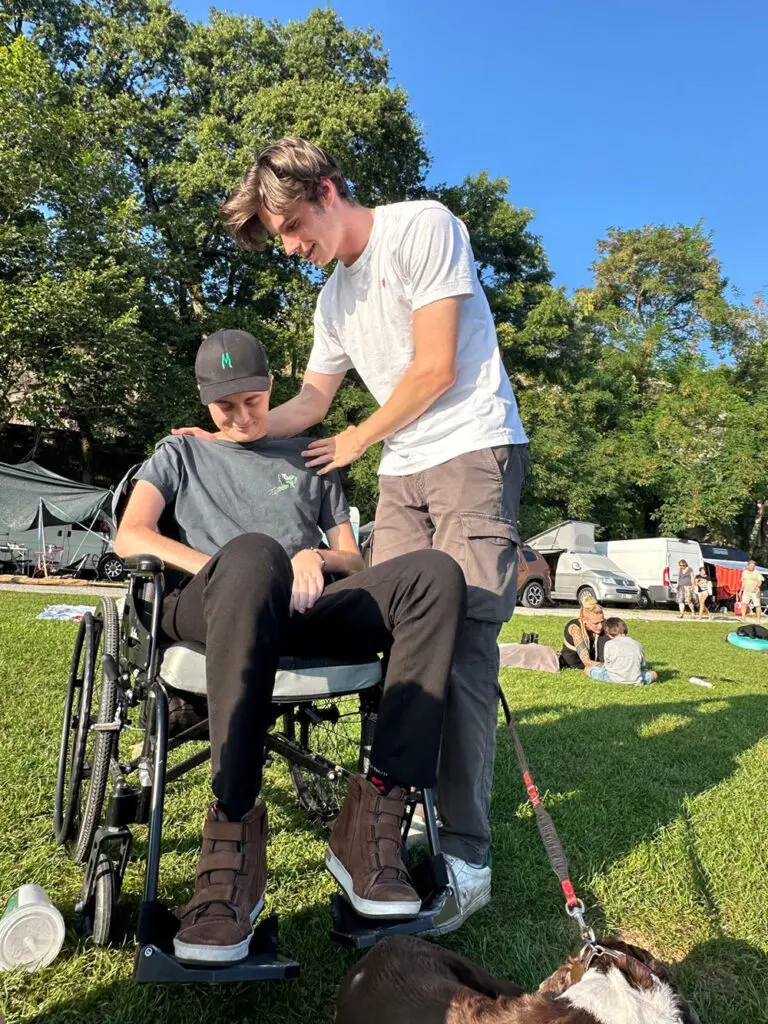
220 490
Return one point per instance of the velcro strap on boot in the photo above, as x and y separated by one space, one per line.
210 894
224 831
386 830
225 860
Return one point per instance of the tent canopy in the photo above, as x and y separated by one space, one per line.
571 535
24 487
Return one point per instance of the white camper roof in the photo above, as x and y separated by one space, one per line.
571 535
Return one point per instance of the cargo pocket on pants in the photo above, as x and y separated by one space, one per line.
490 566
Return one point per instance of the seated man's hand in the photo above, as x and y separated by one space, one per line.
308 581
206 435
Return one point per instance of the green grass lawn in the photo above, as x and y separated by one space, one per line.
658 793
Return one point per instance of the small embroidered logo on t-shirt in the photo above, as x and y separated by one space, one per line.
285 482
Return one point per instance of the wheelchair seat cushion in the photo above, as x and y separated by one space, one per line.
182 667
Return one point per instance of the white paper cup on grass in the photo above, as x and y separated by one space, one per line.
31 930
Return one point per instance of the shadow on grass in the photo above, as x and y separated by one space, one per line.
725 979
623 770
304 936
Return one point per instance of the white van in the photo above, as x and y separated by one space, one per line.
578 568
652 562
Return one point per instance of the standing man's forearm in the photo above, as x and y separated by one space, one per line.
307 408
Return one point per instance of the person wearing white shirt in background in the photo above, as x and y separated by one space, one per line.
404 307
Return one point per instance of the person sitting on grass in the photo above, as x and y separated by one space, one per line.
583 637
250 515
623 657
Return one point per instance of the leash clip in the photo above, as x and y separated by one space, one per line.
576 911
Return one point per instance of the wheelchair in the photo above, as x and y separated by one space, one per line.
123 678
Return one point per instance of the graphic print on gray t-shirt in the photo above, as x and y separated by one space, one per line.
222 489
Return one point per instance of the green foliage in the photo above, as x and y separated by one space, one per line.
123 125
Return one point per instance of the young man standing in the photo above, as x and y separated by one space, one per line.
404 308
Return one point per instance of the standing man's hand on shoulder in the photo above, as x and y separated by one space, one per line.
335 452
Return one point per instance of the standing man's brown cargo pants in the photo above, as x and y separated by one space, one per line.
467 507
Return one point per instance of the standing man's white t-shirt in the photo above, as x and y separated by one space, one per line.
418 253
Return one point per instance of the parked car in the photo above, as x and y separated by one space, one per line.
578 570
653 563
534 582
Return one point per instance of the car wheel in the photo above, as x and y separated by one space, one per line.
585 592
644 600
111 568
534 595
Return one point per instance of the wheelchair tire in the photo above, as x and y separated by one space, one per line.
340 730
73 731
100 910
102 742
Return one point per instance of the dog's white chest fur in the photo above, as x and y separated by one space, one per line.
611 999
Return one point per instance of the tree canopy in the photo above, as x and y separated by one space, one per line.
123 126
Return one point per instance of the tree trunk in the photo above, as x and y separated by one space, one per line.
757 536
86 449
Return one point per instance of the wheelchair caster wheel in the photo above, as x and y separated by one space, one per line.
99 911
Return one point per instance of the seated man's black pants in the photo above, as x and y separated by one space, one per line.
409 608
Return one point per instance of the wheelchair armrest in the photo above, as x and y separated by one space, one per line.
143 565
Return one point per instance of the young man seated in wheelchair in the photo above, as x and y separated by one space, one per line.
249 516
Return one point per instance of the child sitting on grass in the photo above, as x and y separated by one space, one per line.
623 657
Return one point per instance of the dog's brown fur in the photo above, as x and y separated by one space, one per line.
405 980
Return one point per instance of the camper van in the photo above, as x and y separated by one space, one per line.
653 563
578 569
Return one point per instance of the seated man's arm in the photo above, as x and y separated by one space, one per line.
344 556
138 534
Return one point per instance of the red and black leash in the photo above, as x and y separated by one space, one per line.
574 907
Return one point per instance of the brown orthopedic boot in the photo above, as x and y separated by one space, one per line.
217 923
365 852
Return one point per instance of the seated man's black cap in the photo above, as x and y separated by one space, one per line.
229 362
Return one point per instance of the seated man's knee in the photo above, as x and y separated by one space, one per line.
256 552
441 571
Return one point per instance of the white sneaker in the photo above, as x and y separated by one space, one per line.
471 891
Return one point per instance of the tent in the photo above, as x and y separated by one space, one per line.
31 495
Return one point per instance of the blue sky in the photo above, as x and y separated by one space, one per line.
600 112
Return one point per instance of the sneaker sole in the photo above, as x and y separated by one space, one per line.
453 923
192 953
368 908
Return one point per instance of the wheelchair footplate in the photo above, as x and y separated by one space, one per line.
430 879
156 964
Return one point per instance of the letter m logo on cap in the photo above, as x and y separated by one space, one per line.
226 361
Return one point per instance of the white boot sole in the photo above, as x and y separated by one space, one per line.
368 908
192 953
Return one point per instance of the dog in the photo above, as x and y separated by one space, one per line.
405 980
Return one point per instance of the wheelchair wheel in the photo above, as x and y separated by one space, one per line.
71 747
99 912
86 748
339 732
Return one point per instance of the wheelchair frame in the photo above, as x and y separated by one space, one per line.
131 678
